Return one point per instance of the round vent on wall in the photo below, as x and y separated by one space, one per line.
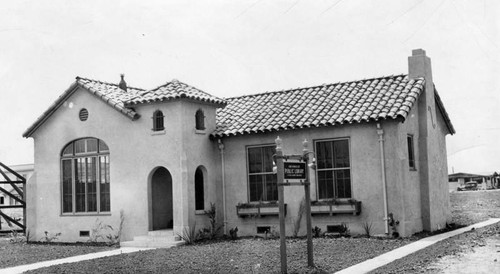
84 114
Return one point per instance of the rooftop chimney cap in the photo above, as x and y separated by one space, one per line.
416 52
122 84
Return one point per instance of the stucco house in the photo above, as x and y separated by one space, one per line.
162 156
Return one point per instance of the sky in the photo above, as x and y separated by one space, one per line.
230 48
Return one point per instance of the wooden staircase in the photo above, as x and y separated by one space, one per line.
18 186
155 239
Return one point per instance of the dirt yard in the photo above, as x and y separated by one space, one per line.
460 253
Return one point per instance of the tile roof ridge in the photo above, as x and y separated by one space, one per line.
322 85
103 82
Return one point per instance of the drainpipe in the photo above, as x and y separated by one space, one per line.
221 148
380 133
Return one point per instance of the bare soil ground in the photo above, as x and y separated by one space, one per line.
468 207
262 256
13 254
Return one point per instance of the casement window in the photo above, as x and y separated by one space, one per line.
85 177
262 182
199 192
158 121
333 169
411 153
2 200
200 120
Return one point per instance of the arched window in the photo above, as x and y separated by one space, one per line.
85 177
199 192
200 120
158 121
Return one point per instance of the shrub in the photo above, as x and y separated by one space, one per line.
316 231
233 233
215 227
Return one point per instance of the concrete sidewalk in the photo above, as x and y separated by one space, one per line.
408 249
23 268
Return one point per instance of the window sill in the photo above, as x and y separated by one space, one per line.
336 207
159 132
83 214
258 209
200 131
413 169
199 212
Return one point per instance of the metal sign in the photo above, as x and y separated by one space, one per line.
294 170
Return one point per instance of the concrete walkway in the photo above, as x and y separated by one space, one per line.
408 249
23 268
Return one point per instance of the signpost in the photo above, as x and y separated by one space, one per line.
295 170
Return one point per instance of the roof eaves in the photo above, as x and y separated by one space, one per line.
443 112
66 94
46 114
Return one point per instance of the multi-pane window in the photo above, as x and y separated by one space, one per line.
411 153
85 177
261 179
158 121
333 169
200 120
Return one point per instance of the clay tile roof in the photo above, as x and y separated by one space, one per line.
108 92
174 89
351 102
111 94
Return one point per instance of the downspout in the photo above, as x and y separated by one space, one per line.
221 148
380 133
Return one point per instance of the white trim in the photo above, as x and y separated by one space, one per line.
159 132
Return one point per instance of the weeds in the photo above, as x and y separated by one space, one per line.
104 232
50 238
16 237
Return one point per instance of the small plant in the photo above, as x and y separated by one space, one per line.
114 239
367 227
344 230
296 224
271 233
393 224
233 233
97 231
189 235
215 227
50 238
16 237
316 231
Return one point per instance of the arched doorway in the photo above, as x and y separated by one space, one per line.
161 200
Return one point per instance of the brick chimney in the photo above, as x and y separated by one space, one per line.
122 84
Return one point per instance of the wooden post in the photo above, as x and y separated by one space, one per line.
280 173
310 258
